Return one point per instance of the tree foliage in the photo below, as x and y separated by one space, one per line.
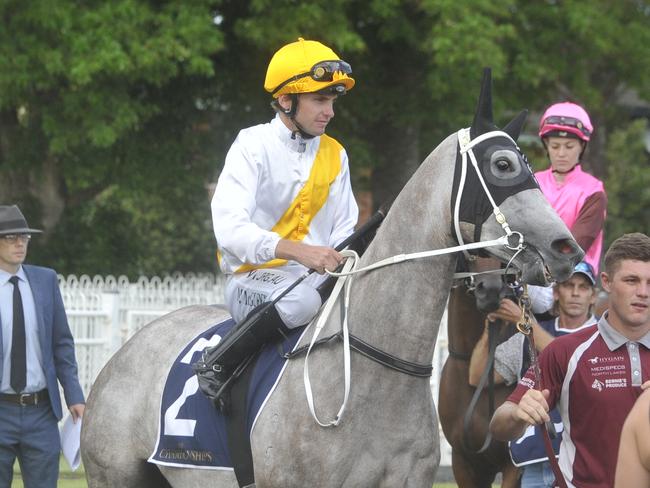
628 184
98 134
115 117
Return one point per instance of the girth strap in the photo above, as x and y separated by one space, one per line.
371 352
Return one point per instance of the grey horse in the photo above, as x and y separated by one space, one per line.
388 435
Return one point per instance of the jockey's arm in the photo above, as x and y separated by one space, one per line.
318 258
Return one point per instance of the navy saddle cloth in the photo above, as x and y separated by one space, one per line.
191 431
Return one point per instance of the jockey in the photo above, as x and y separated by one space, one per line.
578 197
283 202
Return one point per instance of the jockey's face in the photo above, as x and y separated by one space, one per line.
315 110
564 152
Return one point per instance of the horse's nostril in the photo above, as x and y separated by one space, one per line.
565 246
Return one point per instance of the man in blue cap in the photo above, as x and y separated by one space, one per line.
573 302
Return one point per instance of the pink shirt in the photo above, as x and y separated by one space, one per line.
568 199
594 376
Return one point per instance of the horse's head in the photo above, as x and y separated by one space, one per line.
503 179
486 282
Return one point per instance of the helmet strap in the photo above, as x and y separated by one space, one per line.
292 115
304 134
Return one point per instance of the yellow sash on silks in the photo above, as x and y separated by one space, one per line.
294 224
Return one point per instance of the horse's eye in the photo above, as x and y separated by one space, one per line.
503 164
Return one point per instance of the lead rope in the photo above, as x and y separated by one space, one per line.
525 327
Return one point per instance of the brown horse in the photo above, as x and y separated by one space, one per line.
466 316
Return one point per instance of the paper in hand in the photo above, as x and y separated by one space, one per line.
70 440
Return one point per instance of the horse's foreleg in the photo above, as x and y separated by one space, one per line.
469 474
510 476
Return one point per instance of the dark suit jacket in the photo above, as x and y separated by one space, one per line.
57 345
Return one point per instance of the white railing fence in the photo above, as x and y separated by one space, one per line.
104 312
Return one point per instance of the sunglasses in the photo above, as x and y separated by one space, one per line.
13 238
323 72
561 120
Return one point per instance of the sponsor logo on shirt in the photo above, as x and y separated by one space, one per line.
613 367
527 382
616 383
607 359
597 385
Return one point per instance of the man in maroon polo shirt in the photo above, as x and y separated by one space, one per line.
594 375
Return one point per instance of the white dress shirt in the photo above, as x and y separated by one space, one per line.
34 357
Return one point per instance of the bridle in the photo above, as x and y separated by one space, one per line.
350 268
466 146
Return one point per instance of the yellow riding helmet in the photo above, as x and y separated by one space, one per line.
306 67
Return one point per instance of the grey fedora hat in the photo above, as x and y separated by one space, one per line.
12 221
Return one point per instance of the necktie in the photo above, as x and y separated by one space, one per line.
18 354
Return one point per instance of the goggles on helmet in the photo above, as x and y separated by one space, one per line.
322 71
563 121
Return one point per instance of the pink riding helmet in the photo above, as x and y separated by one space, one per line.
563 119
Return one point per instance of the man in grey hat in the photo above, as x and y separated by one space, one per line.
37 348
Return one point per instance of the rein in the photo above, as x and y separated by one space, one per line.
350 268
525 327
486 377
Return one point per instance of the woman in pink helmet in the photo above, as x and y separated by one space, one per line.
578 197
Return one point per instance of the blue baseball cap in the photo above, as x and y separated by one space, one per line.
586 269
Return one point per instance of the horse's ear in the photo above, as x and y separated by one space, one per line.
483 116
513 128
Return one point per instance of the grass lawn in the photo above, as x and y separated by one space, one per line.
67 477
77 479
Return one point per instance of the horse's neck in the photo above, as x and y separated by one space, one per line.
464 322
398 308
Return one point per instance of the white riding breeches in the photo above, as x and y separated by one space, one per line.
245 291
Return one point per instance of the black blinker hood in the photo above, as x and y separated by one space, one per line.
475 206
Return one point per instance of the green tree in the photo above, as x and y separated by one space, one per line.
115 117
99 134
628 182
